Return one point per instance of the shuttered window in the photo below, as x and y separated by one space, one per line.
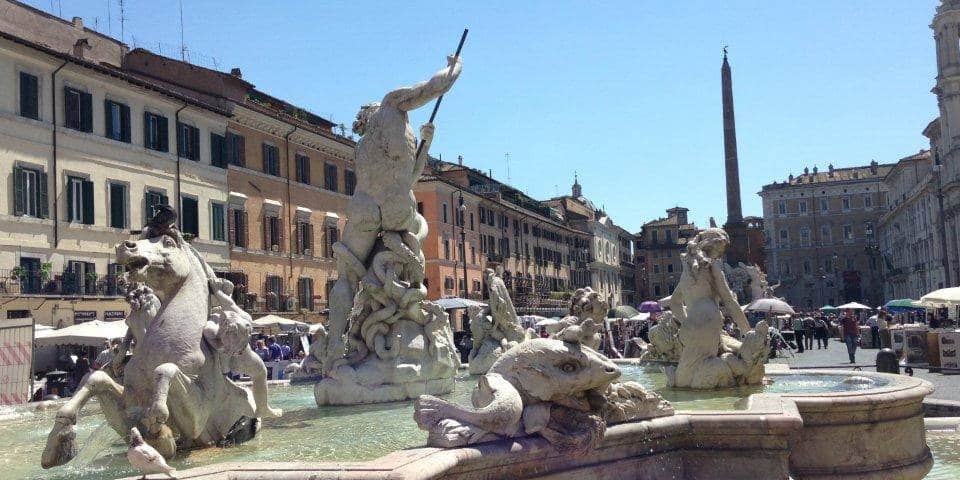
305 293
188 141
153 200
217 222
237 224
116 121
218 150
236 150
333 236
29 96
79 200
271 160
272 234
304 236
155 133
189 216
303 168
30 192
349 182
77 110
118 205
330 177
273 291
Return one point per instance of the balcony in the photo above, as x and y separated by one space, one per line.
59 284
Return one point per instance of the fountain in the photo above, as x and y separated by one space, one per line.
495 333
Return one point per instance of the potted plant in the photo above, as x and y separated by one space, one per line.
18 272
46 268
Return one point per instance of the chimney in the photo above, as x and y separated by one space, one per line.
235 72
830 170
78 23
873 167
460 160
80 46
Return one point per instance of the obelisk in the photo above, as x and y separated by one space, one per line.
735 227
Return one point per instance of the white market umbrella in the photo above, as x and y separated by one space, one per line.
853 306
640 316
770 305
278 322
546 322
92 334
943 296
452 303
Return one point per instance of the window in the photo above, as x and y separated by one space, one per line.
807 267
271 159
446 249
189 216
656 236
825 235
155 134
444 218
29 96
272 233
784 237
846 203
77 110
349 182
153 200
79 200
330 177
304 238
669 268
238 228
236 149
273 292
303 168
118 205
802 206
30 192
448 283
784 268
782 208
868 201
188 141
824 205
305 293
333 235
218 150
804 237
851 265
116 121
471 222
656 268
217 221
848 233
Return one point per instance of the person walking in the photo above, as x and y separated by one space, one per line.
808 327
850 330
821 332
874 331
798 333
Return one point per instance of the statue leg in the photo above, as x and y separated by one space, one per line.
249 363
61 442
171 384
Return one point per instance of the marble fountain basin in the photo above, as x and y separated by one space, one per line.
809 425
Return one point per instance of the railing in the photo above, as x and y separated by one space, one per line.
19 282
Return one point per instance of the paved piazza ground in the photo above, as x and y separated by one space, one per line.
835 356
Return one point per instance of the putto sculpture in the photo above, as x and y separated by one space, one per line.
558 388
385 343
698 304
496 333
184 332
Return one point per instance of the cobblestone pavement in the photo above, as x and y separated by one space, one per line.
835 356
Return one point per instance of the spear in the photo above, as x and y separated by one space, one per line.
436 106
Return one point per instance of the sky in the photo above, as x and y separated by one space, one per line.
625 94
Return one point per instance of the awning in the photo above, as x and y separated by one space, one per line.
853 306
453 303
280 323
92 334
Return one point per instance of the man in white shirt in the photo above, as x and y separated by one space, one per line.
872 322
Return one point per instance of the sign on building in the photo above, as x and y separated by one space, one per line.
16 360
114 315
81 316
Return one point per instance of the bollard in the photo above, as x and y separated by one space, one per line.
887 361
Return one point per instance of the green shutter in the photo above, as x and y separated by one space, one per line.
265 152
195 143
28 96
124 123
146 130
164 134
43 207
70 199
117 199
108 126
18 181
86 112
87 189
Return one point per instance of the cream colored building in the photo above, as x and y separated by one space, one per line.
78 173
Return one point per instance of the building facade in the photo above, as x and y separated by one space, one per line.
821 243
907 230
89 150
628 269
658 247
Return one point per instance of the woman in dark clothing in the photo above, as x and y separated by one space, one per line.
821 333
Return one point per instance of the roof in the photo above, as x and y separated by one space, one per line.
875 171
922 156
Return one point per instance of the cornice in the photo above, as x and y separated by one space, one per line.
278 128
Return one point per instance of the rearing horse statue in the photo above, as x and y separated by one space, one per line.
185 333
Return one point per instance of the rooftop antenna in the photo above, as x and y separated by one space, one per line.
507 155
123 18
109 20
183 47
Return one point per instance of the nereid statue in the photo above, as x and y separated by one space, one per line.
698 304
385 343
494 334
185 332
561 389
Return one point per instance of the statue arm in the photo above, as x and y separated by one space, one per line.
676 299
727 297
416 96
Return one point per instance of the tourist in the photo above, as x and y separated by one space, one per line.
798 332
933 320
285 352
850 330
275 352
262 350
821 332
874 331
808 327
81 370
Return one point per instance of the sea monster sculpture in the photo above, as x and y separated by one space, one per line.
556 387
383 341
698 304
496 333
174 389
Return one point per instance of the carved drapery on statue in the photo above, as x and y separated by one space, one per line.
184 333
385 342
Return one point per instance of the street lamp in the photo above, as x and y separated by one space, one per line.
462 208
